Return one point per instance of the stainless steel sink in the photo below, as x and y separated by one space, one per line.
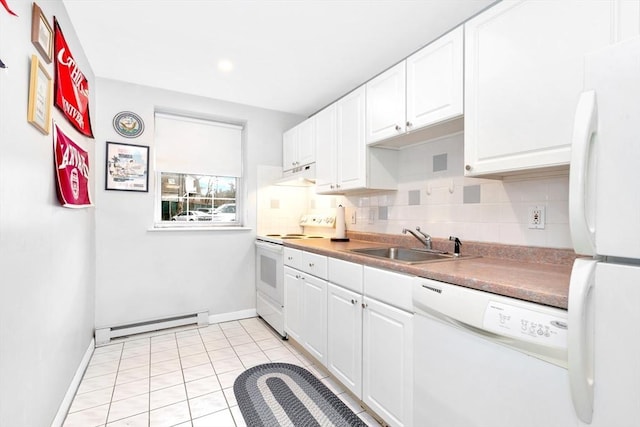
406 255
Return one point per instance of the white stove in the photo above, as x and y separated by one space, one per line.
270 269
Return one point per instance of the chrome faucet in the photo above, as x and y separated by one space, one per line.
425 240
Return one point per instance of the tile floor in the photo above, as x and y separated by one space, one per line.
182 378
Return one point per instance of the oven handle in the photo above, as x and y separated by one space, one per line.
272 247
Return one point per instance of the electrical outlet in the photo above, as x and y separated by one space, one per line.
536 217
353 217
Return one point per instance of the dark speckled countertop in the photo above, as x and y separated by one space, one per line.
539 275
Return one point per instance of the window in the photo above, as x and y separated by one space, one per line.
199 165
198 198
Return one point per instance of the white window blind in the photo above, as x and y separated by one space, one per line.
196 146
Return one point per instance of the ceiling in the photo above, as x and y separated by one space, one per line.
295 56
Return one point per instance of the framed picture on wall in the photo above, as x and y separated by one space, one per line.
40 94
41 33
127 167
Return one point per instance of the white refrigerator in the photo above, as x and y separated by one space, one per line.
604 210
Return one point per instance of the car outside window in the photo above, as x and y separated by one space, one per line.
198 199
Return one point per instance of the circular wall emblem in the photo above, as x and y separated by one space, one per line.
128 124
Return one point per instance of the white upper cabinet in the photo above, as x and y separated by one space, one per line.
523 77
386 98
424 90
326 150
343 160
299 145
435 81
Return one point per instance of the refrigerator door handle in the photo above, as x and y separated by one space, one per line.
580 337
584 127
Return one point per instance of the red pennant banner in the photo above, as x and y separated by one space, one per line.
72 171
72 87
6 6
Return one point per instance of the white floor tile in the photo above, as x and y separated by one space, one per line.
202 386
88 418
225 353
229 325
134 388
166 380
227 365
194 360
254 359
228 378
218 419
269 344
164 355
91 399
207 404
169 415
246 348
128 407
160 368
95 383
130 375
237 417
197 372
140 420
192 349
218 344
167 396
230 396
97 369
135 361
240 339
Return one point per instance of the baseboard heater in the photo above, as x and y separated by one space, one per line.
105 335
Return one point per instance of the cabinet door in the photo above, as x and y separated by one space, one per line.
344 337
314 310
435 81
387 364
326 141
385 114
306 147
293 303
523 76
289 142
351 144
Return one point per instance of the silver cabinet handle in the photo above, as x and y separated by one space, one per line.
409 124
354 301
468 167
364 305
311 264
398 128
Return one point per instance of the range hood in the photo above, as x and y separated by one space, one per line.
301 176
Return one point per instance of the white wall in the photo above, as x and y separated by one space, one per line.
499 215
46 251
143 274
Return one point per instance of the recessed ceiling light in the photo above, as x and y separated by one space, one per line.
225 65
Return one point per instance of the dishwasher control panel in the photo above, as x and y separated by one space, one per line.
524 324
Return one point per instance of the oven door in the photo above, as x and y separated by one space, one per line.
269 271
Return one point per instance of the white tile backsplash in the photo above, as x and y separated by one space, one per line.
500 217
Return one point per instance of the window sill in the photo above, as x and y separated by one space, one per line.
222 228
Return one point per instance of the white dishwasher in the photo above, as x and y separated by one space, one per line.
483 360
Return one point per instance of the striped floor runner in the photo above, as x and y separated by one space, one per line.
281 394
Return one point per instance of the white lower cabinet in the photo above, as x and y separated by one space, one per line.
344 334
293 303
314 311
305 305
387 361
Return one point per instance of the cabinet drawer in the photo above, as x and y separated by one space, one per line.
389 287
346 274
314 264
293 258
